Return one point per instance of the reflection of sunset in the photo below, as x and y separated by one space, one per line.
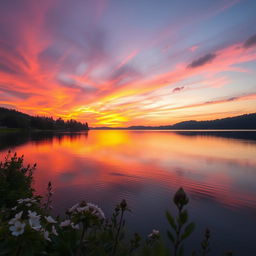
149 72
116 157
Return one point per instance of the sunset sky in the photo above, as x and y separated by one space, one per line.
128 62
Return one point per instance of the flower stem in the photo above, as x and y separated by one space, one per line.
117 234
81 239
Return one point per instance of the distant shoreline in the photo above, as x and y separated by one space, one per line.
9 130
169 129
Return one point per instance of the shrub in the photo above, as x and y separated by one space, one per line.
15 180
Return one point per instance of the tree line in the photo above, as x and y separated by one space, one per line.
10 118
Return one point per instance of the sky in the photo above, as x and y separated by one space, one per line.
120 63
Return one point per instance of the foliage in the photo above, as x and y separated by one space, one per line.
27 228
14 119
15 180
181 230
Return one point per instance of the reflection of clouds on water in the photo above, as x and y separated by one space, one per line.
127 187
67 177
121 174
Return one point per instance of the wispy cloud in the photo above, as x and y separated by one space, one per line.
178 89
202 60
250 42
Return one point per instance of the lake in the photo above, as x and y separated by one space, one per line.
217 169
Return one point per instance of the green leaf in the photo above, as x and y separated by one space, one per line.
188 230
183 217
171 220
170 236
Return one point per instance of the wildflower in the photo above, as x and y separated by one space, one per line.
75 226
46 235
180 198
32 214
74 207
14 208
20 201
123 205
35 223
81 209
28 204
34 220
65 223
26 200
16 218
95 210
50 219
54 231
18 228
155 233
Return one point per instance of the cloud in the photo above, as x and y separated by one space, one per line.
202 61
15 93
178 89
193 48
124 74
69 82
5 68
251 41
250 96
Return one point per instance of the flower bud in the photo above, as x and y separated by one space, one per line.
123 204
180 198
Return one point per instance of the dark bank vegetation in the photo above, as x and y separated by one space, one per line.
14 119
247 121
27 227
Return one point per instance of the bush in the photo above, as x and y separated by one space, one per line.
15 180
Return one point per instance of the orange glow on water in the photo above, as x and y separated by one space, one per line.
201 164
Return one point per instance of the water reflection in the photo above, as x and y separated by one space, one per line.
218 170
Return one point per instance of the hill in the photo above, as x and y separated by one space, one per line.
247 121
10 118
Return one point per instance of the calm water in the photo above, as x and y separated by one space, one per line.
217 170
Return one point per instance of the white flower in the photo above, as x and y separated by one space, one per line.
26 200
75 226
16 218
65 223
34 220
81 209
46 235
35 223
50 219
20 201
18 228
32 214
14 208
94 209
54 231
74 207
28 204
154 233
